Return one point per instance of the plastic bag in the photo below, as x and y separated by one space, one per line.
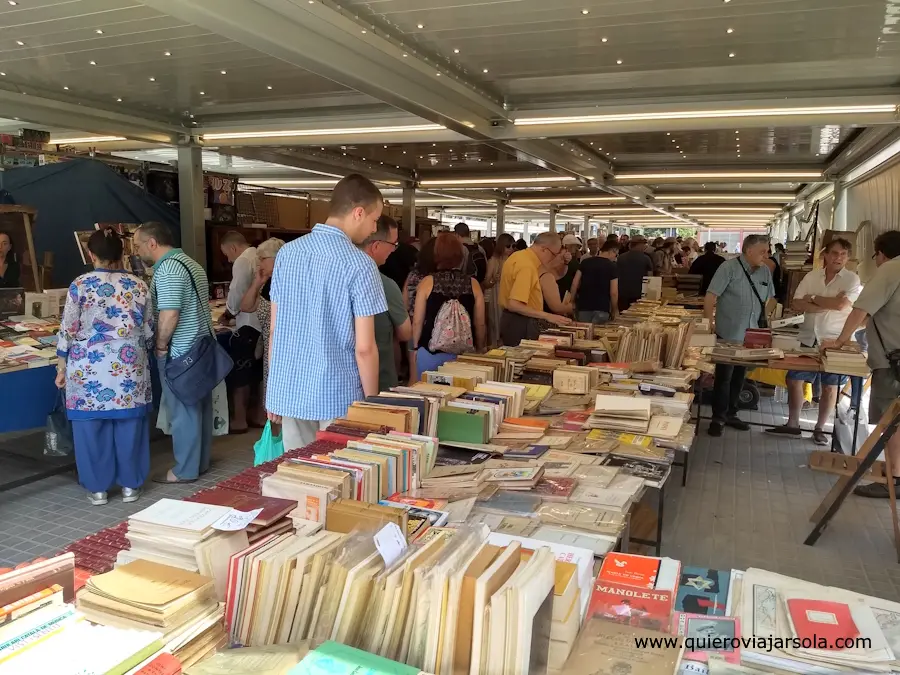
58 441
268 447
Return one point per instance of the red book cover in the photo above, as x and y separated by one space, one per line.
630 605
821 619
555 489
633 570
272 507
163 664
757 338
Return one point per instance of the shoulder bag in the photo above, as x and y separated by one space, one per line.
762 322
195 374
892 356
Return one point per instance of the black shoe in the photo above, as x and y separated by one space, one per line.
737 423
785 430
873 491
715 429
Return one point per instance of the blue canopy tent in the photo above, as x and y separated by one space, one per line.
72 196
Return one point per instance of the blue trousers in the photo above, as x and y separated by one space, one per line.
110 452
192 428
425 360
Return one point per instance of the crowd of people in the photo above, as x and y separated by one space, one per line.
354 308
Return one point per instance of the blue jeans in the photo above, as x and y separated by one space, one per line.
425 360
595 317
192 428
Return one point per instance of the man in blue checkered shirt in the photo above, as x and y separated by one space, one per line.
326 292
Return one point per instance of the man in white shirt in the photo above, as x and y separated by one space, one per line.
826 296
244 342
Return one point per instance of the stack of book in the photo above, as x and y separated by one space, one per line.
620 413
849 360
796 255
178 605
273 519
688 285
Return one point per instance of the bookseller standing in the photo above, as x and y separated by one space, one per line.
326 293
736 296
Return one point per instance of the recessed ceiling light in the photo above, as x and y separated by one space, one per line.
604 39
269 86
2 74
167 53
67 89
13 2
730 31
153 79
585 11
405 55
619 62
118 100
364 31
731 55
456 51
203 93
404 152
437 74
93 63
99 31
192 117
224 72
420 26
485 70
20 43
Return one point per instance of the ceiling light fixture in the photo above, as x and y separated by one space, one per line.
269 87
567 200
20 43
203 93
730 55
224 72
153 79
710 114
93 63
677 198
66 88
619 62
721 209
585 11
420 26
2 74
730 31
604 39
456 51
323 132
167 53
99 31
790 175
485 70
13 3
363 31
118 100
499 181
405 55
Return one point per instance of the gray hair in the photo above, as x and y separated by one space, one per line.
547 240
269 248
753 240
159 231
383 228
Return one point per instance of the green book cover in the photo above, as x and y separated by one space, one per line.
465 426
332 658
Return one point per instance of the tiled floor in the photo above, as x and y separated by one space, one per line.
747 503
41 518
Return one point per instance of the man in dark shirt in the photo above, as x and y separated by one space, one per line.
572 244
633 267
596 286
707 264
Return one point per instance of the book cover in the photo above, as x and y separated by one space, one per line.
530 452
273 508
555 489
630 605
821 619
709 635
634 570
702 591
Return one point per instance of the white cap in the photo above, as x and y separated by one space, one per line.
571 240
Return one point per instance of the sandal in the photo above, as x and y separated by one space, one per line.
170 478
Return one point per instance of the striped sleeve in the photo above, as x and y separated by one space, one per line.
171 283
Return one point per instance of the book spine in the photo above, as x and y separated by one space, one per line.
36 634
35 601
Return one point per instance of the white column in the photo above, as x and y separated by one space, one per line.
839 207
501 217
586 229
191 202
525 230
409 210
553 211
490 227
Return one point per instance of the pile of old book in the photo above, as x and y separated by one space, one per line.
848 360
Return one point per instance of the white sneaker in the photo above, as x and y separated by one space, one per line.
130 494
97 498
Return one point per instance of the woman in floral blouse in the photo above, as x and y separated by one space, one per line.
102 349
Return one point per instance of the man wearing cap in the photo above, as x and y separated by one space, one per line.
573 247
632 267
663 256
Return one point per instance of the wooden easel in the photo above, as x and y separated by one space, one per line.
851 469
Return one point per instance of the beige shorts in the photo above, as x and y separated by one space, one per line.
885 390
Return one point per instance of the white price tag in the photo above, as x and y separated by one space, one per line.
236 520
390 542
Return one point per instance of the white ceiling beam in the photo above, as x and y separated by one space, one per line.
52 113
324 162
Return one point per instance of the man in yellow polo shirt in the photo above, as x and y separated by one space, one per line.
520 290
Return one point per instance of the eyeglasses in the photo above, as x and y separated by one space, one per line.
392 244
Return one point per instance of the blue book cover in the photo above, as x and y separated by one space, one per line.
531 452
703 591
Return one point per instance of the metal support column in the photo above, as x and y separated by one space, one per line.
501 217
553 211
190 202
839 207
409 210
586 229
525 231
490 228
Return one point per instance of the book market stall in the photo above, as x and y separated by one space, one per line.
503 515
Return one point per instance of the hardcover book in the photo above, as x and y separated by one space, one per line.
703 591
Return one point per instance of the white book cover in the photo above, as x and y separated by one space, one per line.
181 515
622 406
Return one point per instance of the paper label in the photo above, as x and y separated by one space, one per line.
236 520
390 542
814 616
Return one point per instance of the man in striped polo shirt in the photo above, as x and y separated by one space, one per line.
180 296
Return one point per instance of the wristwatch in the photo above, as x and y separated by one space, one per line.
814 298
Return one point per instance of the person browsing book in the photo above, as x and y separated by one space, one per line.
826 297
392 326
734 302
449 316
878 307
706 265
520 292
596 286
103 370
632 267
326 293
9 264
183 316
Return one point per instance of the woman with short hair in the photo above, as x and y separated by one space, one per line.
104 337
